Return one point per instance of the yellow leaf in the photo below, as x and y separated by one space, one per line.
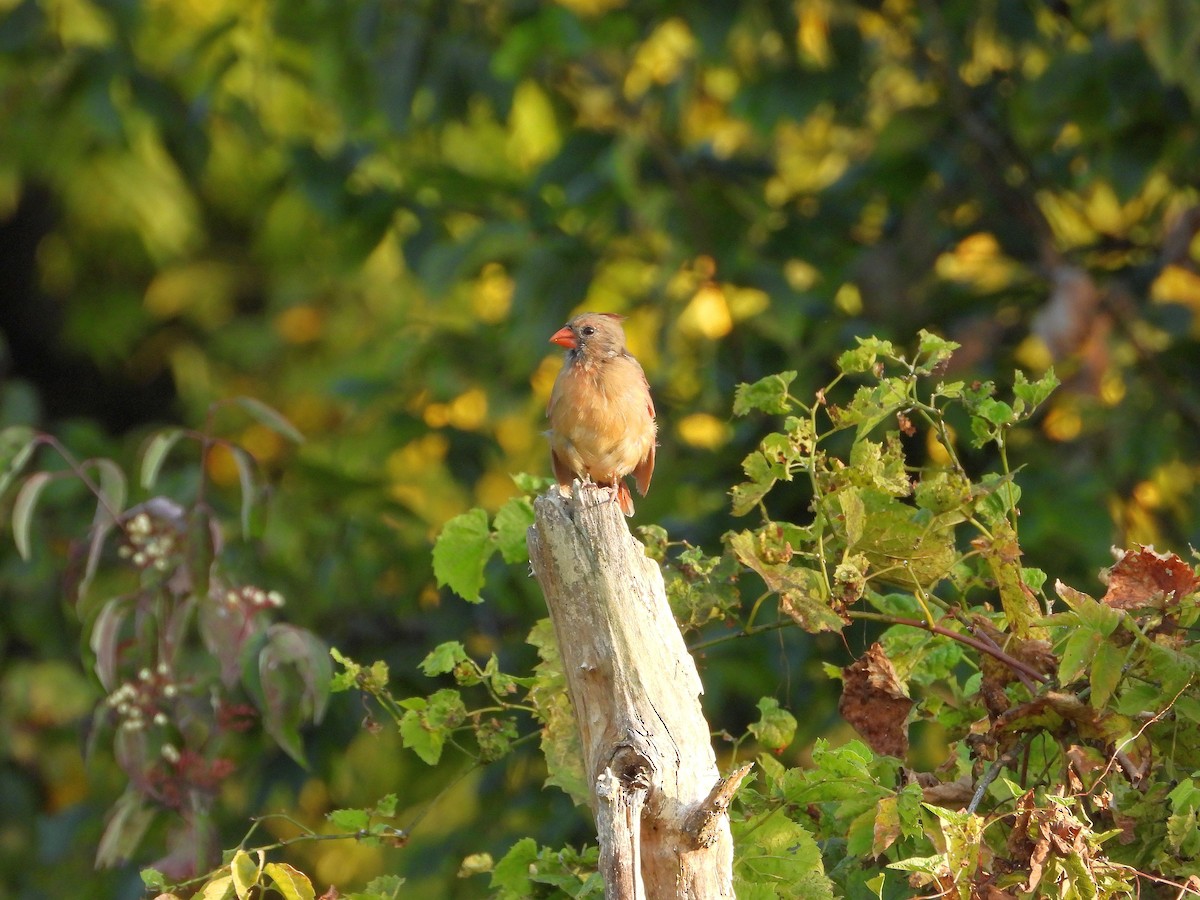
703 430
291 883
707 315
245 872
533 135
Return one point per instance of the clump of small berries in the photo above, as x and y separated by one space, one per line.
149 544
253 599
138 703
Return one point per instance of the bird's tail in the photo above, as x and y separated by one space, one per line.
624 498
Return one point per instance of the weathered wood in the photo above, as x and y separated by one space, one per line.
654 787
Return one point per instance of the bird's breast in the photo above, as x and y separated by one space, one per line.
600 419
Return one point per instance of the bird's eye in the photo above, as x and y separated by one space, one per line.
588 330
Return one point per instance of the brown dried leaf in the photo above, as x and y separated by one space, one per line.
1142 578
1058 712
950 794
875 703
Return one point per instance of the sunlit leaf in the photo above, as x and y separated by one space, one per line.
444 658
511 524
460 553
769 395
291 883
246 871
775 727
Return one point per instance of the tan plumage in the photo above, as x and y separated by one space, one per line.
602 425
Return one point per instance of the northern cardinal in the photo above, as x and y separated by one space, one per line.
602 424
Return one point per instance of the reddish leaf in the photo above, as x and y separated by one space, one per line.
1143 578
875 703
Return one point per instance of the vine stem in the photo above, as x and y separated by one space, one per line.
744 633
982 646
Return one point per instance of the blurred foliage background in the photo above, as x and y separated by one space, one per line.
372 214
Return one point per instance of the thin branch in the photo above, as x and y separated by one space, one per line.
983 647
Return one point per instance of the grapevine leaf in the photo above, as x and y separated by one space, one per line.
511 524
769 395
443 658
776 727
461 552
1106 671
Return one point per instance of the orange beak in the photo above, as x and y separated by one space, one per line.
564 337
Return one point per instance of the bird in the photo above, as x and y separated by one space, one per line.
602 423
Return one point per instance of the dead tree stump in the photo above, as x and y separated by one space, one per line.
654 789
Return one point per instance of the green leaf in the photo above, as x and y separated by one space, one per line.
801 591
293 677
905 546
23 508
155 454
997 412
746 497
864 356
531 485
776 727
872 405
443 658
1078 653
246 466
17 444
127 822
511 874
385 887
769 395
1107 668
269 417
772 850
933 351
511 524
349 819
291 883
386 805
153 879
425 728
461 552
1034 393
